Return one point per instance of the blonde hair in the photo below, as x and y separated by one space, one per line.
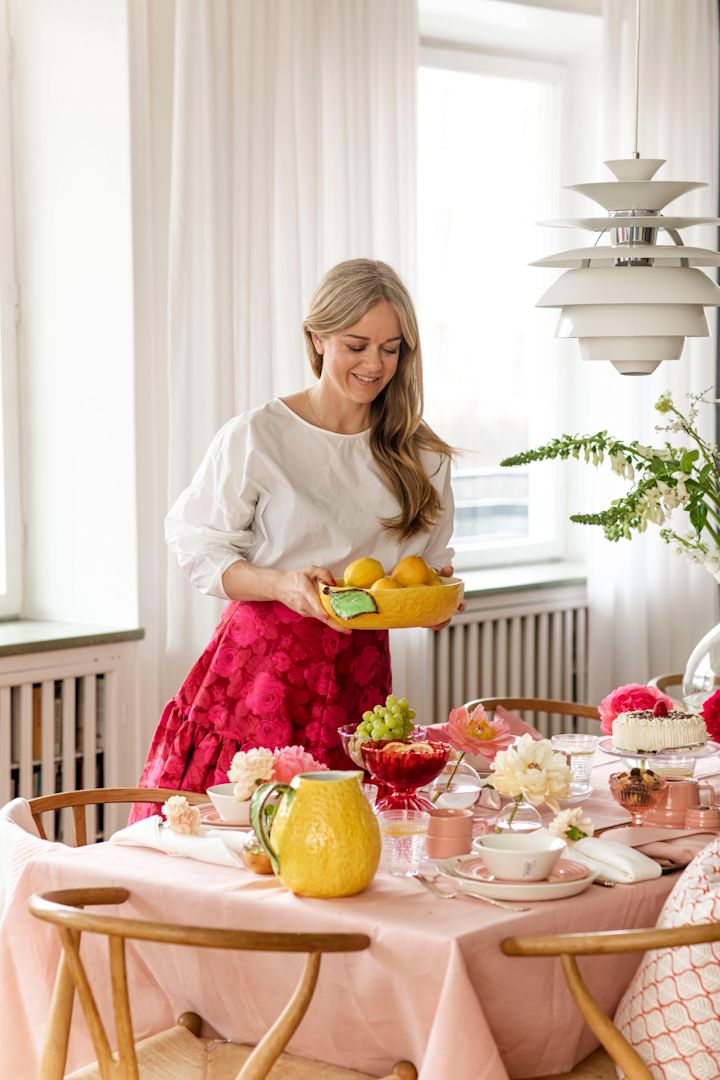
398 433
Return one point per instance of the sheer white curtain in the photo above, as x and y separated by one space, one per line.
293 148
648 606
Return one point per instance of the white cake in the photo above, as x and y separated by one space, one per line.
640 731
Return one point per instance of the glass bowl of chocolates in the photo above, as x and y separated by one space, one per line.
637 790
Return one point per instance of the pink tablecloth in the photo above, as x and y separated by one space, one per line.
434 986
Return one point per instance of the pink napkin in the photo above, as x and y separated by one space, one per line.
669 847
516 725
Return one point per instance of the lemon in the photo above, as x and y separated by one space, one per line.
412 570
362 573
433 577
385 583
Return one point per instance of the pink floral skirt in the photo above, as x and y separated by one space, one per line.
269 677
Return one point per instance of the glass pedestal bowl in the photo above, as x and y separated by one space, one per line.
634 794
351 745
404 771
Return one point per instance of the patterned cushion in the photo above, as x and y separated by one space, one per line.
670 1012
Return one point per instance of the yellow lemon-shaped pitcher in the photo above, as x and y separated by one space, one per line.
324 840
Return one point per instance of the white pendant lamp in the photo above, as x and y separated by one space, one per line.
633 301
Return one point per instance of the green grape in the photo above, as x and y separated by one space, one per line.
403 703
411 714
391 700
378 710
367 716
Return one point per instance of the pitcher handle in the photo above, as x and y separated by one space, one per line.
258 817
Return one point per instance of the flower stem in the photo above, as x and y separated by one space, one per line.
513 812
439 791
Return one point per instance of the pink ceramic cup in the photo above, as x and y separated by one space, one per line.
450 822
703 817
449 833
444 847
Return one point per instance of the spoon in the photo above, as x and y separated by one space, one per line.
452 892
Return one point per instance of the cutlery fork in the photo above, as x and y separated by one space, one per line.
452 892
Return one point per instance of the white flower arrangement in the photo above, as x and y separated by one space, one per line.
250 768
181 816
665 479
531 770
571 825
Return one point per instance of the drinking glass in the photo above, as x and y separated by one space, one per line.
579 751
403 840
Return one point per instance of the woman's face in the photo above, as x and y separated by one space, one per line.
359 361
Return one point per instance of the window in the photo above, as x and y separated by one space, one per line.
10 520
492 128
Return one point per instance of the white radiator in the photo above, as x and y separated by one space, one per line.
63 721
524 643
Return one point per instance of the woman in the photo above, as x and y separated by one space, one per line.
287 496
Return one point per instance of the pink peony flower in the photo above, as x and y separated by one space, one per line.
474 733
291 760
626 699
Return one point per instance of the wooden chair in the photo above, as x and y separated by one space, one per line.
662 682
79 801
599 1066
180 1052
546 706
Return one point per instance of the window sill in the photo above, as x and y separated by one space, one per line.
529 576
20 636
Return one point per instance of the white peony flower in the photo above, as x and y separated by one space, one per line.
248 769
181 816
571 825
532 768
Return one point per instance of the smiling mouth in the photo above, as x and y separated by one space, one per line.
366 380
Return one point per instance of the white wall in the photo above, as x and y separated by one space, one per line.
73 216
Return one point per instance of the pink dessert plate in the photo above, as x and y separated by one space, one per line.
210 816
567 879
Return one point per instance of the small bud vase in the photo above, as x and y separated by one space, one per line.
518 816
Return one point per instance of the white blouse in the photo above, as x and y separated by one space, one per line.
279 492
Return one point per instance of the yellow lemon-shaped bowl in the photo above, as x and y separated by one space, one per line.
392 609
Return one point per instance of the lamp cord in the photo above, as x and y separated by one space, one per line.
637 75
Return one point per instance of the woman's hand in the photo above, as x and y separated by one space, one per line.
447 571
297 589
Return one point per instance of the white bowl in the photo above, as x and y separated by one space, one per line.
522 857
237 813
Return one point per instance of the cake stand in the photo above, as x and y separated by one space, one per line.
663 760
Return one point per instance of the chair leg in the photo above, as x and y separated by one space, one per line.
191 1021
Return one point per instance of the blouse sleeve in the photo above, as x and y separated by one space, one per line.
210 525
438 552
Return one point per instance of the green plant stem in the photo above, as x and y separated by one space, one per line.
513 812
439 791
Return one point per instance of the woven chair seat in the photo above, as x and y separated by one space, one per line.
177 1054
598 1066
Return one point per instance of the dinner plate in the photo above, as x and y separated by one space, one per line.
210 816
565 880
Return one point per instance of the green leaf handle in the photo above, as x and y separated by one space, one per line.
258 818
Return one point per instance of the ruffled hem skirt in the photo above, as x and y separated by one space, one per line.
269 677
